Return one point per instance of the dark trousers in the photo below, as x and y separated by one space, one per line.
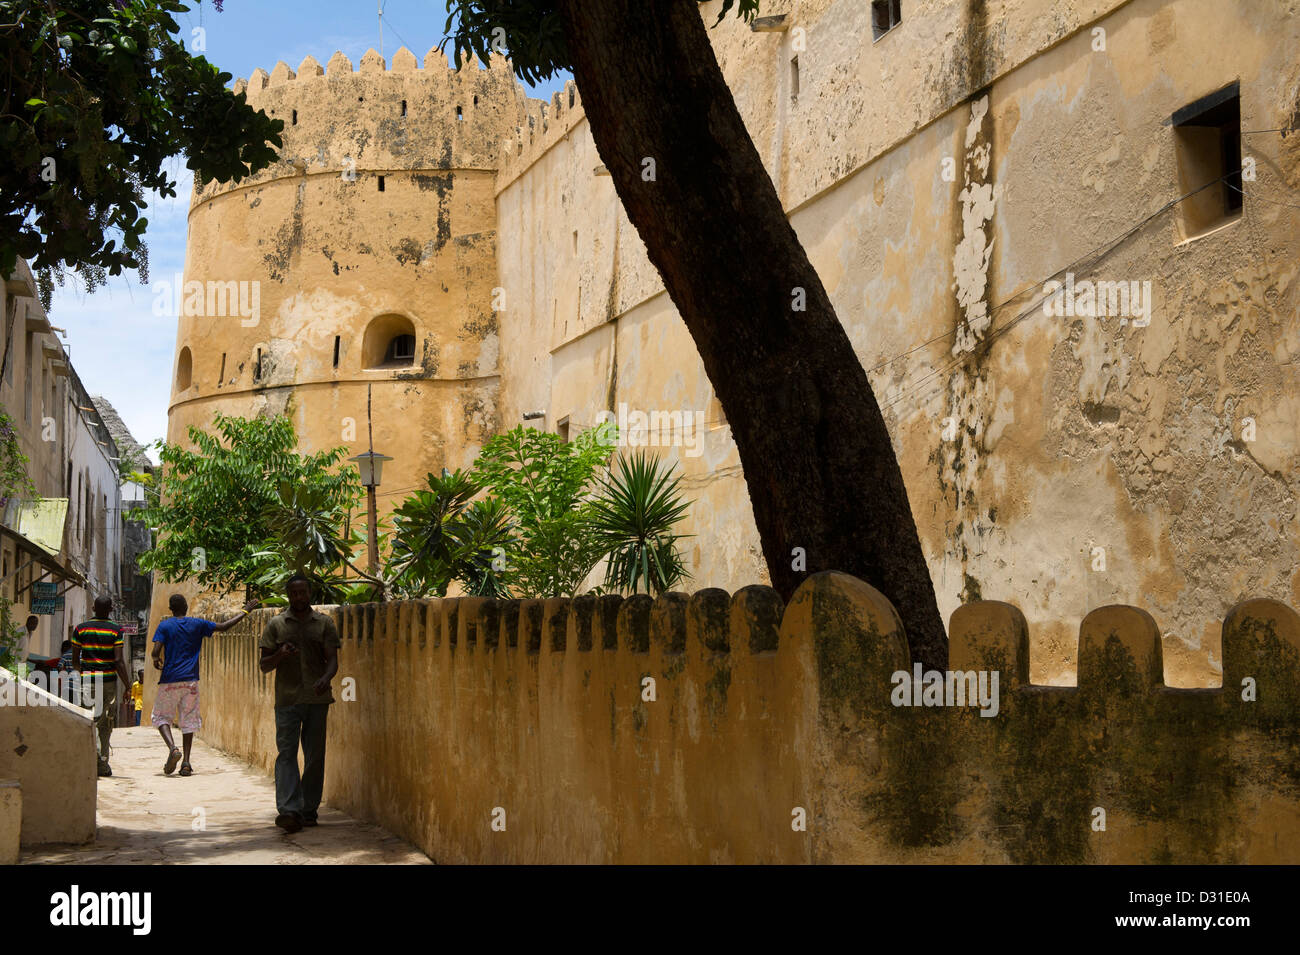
301 723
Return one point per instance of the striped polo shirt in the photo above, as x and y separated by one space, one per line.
99 640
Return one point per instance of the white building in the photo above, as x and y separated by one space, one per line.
57 553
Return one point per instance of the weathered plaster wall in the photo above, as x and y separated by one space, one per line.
938 177
331 254
49 747
538 714
70 454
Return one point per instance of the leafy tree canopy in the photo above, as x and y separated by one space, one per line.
543 483
96 96
241 488
530 32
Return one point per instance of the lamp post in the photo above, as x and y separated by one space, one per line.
371 466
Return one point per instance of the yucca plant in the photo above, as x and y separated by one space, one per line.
632 518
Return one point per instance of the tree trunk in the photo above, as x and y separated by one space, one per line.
821 471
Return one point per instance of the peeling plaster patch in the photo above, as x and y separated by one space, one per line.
970 263
969 396
488 355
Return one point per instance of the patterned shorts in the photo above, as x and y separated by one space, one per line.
177 704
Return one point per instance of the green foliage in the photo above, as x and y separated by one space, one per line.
96 97
440 536
11 638
543 483
632 519
14 481
486 530
243 506
304 521
530 32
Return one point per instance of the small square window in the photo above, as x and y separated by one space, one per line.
1207 146
885 15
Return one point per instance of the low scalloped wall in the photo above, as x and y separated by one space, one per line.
526 731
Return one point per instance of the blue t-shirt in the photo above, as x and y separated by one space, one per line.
182 639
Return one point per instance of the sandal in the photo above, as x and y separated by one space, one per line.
172 760
187 769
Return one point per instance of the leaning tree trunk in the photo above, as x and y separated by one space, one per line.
818 461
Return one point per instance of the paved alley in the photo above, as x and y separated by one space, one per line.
224 814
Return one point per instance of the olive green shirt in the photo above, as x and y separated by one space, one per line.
295 677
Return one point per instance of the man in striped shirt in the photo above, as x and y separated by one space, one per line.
97 654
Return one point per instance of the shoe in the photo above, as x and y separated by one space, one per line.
289 821
173 758
105 770
309 821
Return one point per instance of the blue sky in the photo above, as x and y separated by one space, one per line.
118 346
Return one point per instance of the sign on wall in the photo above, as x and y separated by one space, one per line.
45 598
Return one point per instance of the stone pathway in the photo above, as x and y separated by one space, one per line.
147 818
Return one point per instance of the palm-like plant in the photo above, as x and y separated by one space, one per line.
424 547
304 522
440 536
632 518
484 536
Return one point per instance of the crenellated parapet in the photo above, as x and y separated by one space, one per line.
544 124
410 116
716 727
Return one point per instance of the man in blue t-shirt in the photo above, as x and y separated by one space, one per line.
176 646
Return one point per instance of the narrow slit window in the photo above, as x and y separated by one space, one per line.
336 351
794 77
459 113
257 368
403 107
381 183
294 118
221 379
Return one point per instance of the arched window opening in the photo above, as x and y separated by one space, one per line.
389 342
184 369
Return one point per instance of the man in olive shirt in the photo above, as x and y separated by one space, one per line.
301 646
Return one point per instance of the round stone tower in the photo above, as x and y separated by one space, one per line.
364 258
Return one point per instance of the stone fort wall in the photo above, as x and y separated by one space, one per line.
938 177
720 728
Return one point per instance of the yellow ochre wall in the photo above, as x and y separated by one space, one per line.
937 176
455 711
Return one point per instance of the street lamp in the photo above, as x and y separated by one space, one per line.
371 466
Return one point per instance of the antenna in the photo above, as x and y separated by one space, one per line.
380 4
